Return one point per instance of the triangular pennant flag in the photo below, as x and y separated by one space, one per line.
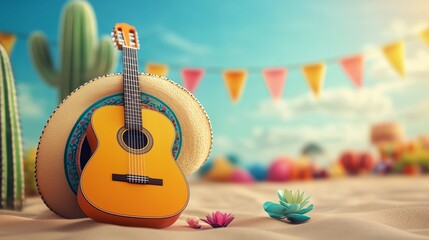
275 79
8 41
191 78
314 74
424 35
157 69
394 54
235 81
353 66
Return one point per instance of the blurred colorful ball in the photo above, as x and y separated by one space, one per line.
241 176
412 170
280 169
320 173
383 167
302 170
221 170
337 170
205 167
259 172
356 163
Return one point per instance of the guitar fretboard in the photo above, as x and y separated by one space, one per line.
132 100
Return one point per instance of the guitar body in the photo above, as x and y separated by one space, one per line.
132 178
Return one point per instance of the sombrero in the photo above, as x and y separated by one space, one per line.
62 151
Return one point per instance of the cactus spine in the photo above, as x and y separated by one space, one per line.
11 174
81 58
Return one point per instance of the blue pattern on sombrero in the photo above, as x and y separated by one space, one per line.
79 129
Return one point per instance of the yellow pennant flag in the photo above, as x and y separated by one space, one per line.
8 41
424 35
314 74
235 81
394 53
157 69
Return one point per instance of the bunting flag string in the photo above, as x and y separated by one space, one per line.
157 69
314 74
235 81
275 78
353 67
8 41
191 78
394 53
424 36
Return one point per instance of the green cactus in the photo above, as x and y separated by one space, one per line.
81 57
11 165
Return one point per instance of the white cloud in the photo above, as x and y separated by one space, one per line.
29 106
173 39
341 102
265 144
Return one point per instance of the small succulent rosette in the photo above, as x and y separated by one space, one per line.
292 206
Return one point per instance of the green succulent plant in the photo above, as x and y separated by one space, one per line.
291 206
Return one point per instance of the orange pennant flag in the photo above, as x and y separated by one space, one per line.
8 41
353 67
314 74
424 35
235 81
394 53
157 69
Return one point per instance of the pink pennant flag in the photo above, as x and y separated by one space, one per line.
275 79
191 78
353 66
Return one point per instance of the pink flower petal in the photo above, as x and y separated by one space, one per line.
193 222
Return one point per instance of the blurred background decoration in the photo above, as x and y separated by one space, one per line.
292 94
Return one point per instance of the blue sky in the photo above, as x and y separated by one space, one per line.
237 34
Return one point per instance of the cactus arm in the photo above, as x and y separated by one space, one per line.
41 57
105 59
78 40
68 69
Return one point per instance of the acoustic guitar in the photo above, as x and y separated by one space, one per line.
131 178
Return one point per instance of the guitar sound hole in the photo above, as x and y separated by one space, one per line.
135 139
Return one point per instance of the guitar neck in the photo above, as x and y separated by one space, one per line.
132 100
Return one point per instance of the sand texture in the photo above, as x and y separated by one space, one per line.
352 208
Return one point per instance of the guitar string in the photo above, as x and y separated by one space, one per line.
134 115
135 112
124 54
139 111
128 113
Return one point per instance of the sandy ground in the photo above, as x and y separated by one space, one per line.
353 208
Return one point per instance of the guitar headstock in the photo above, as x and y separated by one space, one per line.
125 35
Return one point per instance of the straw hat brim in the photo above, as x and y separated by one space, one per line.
53 185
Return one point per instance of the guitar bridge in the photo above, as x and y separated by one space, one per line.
137 179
